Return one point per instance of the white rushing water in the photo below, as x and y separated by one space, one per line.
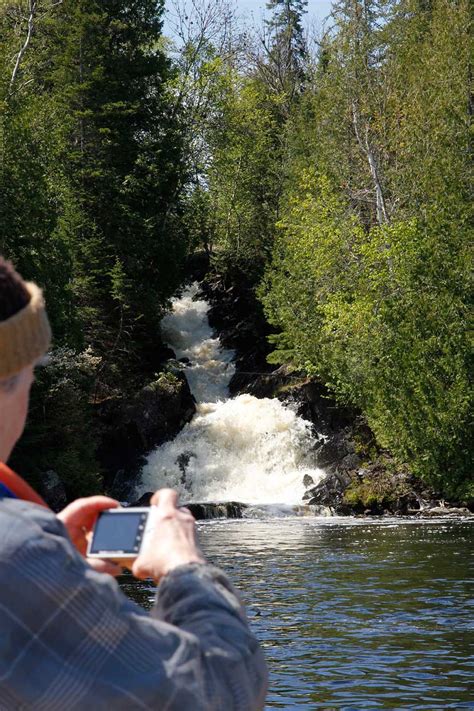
235 449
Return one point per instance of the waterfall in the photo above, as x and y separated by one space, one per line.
243 448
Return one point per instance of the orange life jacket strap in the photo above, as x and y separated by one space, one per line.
19 487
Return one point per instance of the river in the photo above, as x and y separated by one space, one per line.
352 613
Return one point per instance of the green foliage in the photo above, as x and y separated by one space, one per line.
91 165
198 220
244 139
90 176
376 316
167 381
378 490
351 194
244 178
343 188
61 435
286 46
370 284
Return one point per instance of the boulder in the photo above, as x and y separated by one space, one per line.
314 402
350 462
237 316
330 491
445 511
211 510
131 428
197 265
204 510
334 451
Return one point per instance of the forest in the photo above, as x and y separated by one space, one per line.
330 168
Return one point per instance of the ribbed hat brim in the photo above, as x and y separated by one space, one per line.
24 337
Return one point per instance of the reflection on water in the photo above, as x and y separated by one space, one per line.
354 614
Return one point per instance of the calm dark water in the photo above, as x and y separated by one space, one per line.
354 614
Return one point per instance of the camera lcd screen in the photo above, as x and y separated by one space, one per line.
118 532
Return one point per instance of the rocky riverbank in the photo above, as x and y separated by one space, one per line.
362 478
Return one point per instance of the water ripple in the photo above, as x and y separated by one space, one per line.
354 614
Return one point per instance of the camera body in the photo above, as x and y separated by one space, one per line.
120 534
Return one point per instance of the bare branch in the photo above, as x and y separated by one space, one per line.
206 36
32 5
370 155
34 16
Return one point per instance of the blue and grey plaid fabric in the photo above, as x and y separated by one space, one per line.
71 640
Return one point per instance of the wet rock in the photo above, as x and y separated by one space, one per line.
125 480
237 316
350 462
445 511
308 480
382 489
330 491
144 500
334 451
53 491
315 403
133 427
182 461
228 509
205 510
197 265
164 354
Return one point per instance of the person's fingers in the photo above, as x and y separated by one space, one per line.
165 499
98 503
105 566
140 571
185 509
90 506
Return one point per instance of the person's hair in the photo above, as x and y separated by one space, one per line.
14 295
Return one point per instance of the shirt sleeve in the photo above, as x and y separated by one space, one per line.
71 639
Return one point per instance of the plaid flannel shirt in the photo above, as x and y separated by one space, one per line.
71 640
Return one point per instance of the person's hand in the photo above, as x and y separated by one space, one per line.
173 541
79 518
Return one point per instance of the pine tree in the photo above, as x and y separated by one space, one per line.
121 159
286 46
89 206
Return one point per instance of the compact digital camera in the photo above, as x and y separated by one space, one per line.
120 534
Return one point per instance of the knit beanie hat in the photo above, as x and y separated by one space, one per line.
25 334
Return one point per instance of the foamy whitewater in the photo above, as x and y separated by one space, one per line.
241 449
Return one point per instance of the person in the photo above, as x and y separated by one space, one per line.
70 638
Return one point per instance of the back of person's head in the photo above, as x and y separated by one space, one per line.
14 295
25 333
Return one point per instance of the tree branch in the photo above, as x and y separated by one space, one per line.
31 24
366 148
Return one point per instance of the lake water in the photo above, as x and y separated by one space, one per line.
353 613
